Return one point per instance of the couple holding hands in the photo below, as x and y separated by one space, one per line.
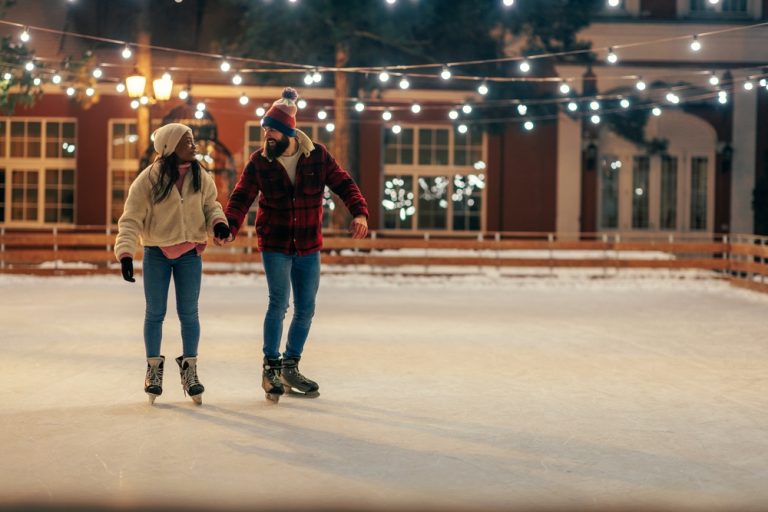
171 208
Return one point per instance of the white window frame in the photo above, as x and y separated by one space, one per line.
417 171
39 164
117 164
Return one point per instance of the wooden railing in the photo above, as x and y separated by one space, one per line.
60 251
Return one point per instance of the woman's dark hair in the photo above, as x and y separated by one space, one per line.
169 174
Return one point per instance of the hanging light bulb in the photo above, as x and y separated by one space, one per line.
24 36
573 106
564 87
713 80
522 109
383 76
97 73
508 3
695 44
482 88
126 53
528 125
260 111
308 79
673 98
386 115
90 91
656 111
322 114
37 81
624 103
595 119
317 77
640 85
722 97
243 99
200 106
302 103
404 83
225 66
525 66
144 100
594 105
237 79
134 104
396 129
56 79
748 85
613 3
462 128
70 91
612 58
359 106
466 108
445 74
415 108
453 115
199 114
29 66
330 127
120 87
183 94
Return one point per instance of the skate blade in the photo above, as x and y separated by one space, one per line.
298 394
151 397
273 397
198 399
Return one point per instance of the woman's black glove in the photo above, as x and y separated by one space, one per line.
221 231
127 269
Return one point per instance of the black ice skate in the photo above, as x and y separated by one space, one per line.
270 379
294 382
153 382
189 380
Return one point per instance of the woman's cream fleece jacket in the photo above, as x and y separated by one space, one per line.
185 216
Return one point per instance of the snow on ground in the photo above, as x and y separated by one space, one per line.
436 393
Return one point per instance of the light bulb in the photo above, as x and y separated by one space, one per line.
525 66
695 44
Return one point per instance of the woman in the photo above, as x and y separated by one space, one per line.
171 207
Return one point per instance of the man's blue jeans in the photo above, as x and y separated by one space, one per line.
187 272
284 271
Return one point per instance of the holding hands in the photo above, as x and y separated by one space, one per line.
359 227
222 234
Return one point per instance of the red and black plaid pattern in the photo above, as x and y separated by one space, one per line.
290 217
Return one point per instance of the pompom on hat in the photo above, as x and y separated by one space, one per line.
282 114
167 137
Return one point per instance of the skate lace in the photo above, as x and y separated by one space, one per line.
189 376
155 375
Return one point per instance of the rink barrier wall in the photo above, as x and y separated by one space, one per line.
740 258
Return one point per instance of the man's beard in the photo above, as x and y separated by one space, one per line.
279 147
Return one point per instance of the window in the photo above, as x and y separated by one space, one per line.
668 203
433 202
723 6
24 195
125 140
467 200
433 146
60 196
124 154
433 179
699 193
37 184
609 192
398 202
26 139
640 192
398 147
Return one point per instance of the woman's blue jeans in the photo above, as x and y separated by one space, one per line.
284 271
187 272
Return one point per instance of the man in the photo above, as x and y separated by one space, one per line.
289 175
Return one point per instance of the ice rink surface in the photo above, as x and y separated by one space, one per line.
439 394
